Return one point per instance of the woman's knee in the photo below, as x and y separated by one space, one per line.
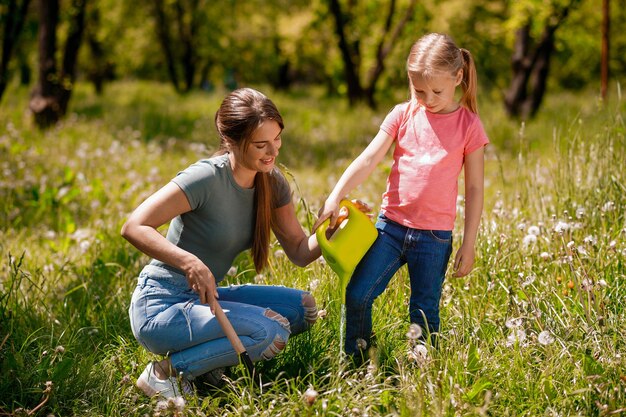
310 308
281 336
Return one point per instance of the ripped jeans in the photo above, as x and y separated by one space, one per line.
167 318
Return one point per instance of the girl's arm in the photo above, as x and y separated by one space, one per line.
353 176
141 230
300 248
474 192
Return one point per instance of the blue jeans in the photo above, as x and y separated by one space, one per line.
167 318
426 253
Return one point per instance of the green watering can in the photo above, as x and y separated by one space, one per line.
348 244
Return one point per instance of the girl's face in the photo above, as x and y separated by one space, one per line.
263 148
436 93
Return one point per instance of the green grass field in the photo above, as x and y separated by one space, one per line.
537 329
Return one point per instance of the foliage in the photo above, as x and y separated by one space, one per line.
536 329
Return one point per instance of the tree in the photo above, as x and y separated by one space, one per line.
604 60
350 47
12 22
51 95
531 61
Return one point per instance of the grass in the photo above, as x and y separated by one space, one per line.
537 328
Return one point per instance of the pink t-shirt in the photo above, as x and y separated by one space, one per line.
427 160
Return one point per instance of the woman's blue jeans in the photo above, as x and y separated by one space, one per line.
167 318
426 253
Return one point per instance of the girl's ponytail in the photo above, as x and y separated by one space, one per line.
469 82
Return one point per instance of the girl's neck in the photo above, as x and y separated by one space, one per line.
244 177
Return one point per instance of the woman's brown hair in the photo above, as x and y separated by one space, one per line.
241 113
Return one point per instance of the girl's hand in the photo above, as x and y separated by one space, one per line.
464 261
329 210
202 281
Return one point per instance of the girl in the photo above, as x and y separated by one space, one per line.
434 136
218 207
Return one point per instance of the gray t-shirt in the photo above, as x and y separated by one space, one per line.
220 224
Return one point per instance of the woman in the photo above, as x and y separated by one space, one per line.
218 207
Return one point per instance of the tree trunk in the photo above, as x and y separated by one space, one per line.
349 56
52 93
44 102
385 47
532 65
14 22
163 34
604 59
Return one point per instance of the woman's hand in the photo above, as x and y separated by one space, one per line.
202 281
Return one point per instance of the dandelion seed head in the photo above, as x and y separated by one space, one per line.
321 314
516 336
309 396
580 212
279 253
545 256
232 271
608 206
529 240
586 285
612 244
521 226
534 230
259 278
361 344
602 283
561 227
314 284
418 354
514 322
590 240
415 331
571 244
545 338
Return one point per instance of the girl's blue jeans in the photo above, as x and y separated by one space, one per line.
167 318
426 254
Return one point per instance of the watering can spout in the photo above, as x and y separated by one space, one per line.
348 244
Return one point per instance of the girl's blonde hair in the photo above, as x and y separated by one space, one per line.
435 53
241 113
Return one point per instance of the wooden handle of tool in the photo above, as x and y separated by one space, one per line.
228 329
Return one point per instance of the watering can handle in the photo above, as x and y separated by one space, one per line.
321 230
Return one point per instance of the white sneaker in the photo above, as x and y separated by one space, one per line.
151 385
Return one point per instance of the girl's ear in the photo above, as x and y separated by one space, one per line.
459 77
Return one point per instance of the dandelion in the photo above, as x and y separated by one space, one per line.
586 285
361 344
321 314
314 284
544 256
529 280
521 226
415 331
602 283
612 244
571 244
529 240
279 253
590 240
534 230
309 396
59 350
418 354
516 336
232 271
580 212
561 227
514 323
545 338
259 278
582 251
608 206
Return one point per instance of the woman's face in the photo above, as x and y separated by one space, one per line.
263 147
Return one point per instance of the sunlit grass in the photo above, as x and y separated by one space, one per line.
537 329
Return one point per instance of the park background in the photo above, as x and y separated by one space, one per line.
103 101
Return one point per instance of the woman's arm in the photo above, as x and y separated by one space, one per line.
354 175
141 230
474 194
299 248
